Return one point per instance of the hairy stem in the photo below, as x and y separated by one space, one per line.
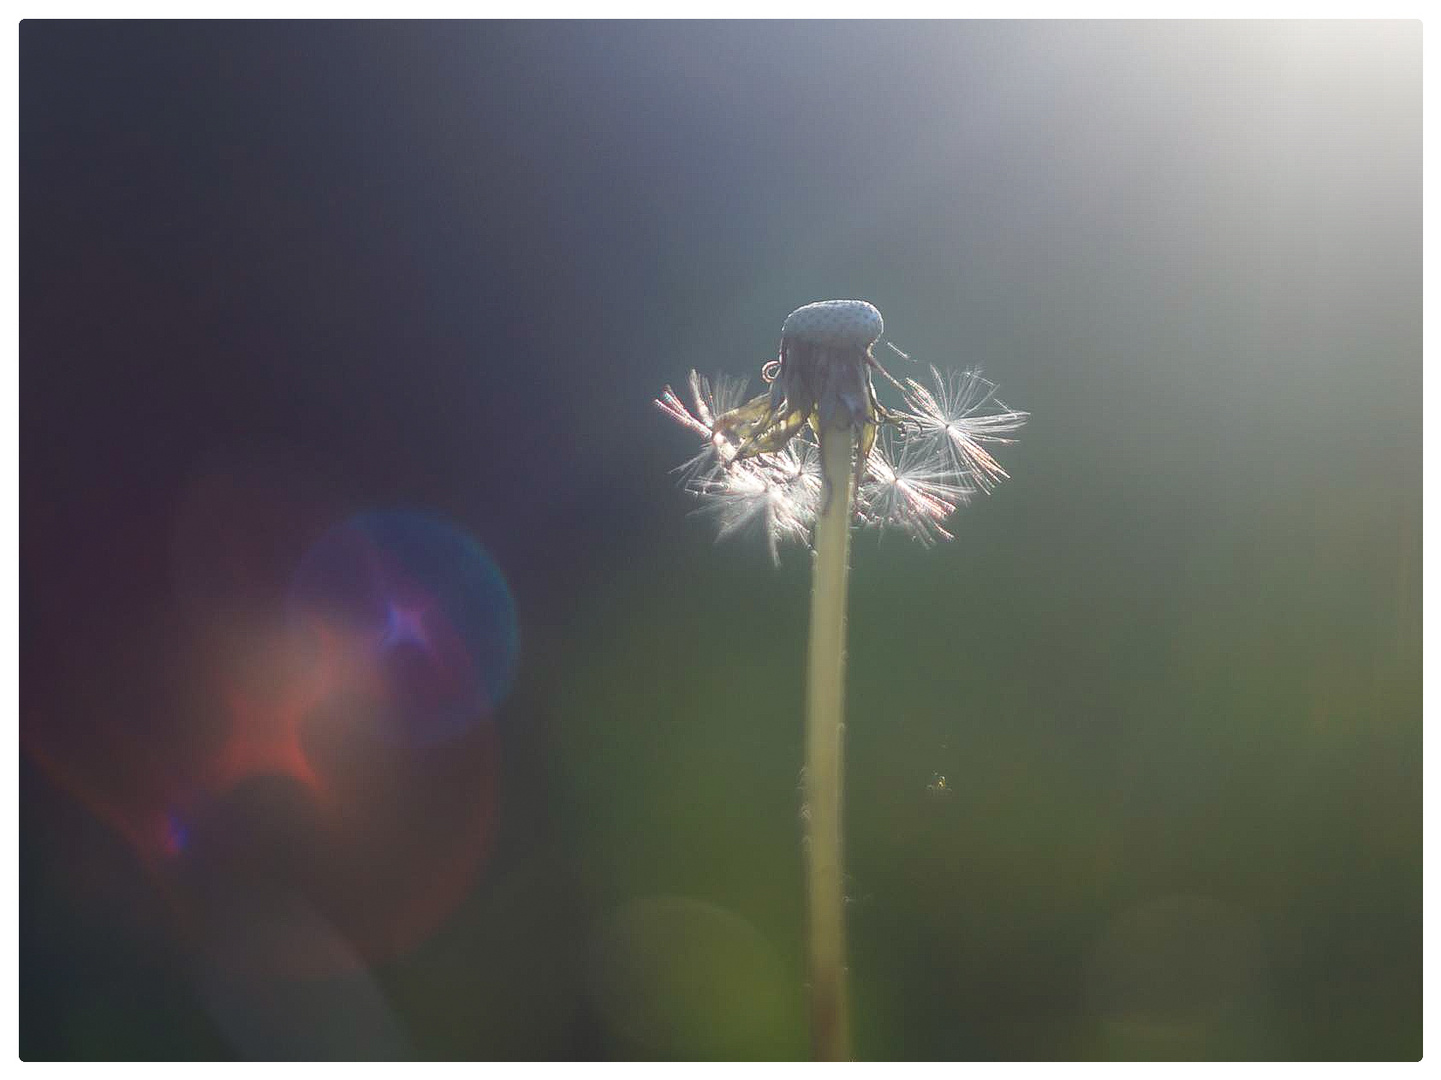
825 728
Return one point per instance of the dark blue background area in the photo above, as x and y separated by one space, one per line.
1171 671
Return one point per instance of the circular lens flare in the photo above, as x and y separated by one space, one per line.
432 615
251 773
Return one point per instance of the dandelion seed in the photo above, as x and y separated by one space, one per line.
777 496
953 416
710 399
911 488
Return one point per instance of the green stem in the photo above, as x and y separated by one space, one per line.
825 727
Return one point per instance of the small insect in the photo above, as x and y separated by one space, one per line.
853 898
938 787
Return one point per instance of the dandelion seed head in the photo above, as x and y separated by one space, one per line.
835 324
823 375
759 468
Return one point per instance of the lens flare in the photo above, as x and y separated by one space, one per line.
251 771
431 612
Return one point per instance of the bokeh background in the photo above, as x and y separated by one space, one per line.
380 699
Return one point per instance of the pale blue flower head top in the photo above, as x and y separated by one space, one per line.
835 324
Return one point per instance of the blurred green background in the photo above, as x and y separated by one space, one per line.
1170 672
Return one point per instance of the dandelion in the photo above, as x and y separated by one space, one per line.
805 461
910 488
958 413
